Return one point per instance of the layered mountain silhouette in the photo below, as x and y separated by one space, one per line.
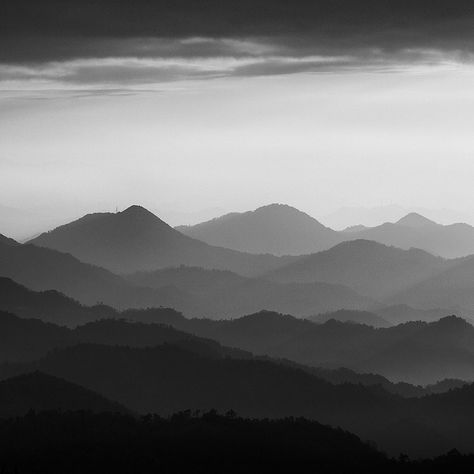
352 316
277 229
41 392
415 352
370 268
136 239
454 287
208 442
225 294
280 229
402 313
25 340
7 240
414 230
196 292
167 378
43 269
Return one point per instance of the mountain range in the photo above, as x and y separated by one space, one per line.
161 369
135 239
358 274
277 229
416 352
284 230
370 268
414 230
167 379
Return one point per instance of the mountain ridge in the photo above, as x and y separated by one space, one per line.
136 239
278 229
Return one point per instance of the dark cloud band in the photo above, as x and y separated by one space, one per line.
32 30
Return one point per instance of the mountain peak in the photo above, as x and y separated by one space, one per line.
276 206
415 220
136 210
277 229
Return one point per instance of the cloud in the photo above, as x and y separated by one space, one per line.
115 43
64 29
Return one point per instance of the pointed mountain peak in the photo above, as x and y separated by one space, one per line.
415 220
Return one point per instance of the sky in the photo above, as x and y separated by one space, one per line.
193 112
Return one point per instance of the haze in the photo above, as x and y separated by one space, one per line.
216 117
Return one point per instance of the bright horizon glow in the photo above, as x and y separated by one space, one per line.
317 141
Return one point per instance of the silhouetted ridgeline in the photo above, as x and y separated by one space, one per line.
43 269
368 267
277 229
415 231
283 230
7 240
41 392
357 275
170 378
225 294
25 340
206 443
136 239
416 352
83 442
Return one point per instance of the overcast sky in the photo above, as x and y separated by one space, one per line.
318 104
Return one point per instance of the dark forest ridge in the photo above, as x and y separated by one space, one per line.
25 340
40 392
417 352
113 442
261 389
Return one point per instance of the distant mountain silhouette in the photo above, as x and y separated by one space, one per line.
277 229
25 340
454 287
354 228
352 316
416 352
7 240
402 313
370 268
51 305
283 230
415 221
40 392
28 339
224 294
414 230
44 269
136 239
196 292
